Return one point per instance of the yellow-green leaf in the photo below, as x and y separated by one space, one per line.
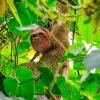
14 11
31 7
86 29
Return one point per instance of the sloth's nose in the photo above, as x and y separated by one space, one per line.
34 35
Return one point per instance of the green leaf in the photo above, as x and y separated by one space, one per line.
12 23
39 88
22 85
97 38
74 77
2 58
46 75
26 83
23 59
43 23
34 2
14 10
23 47
87 21
24 17
20 6
8 68
6 49
1 19
77 64
27 17
75 48
55 90
92 60
52 14
32 15
51 3
10 86
70 56
17 1
91 86
86 30
33 8
24 74
83 97
68 92
63 87
76 1
74 93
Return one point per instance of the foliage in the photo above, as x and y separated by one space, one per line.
83 53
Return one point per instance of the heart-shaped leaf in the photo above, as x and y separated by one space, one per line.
46 75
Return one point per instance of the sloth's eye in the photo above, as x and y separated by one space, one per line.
40 33
34 35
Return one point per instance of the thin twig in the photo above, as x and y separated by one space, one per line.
54 80
74 29
5 44
11 57
5 61
95 30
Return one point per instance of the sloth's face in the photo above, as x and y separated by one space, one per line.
41 40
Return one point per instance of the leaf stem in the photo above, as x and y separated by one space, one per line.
54 80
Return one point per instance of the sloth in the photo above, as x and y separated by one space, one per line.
51 44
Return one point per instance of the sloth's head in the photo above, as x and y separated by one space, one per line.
41 40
